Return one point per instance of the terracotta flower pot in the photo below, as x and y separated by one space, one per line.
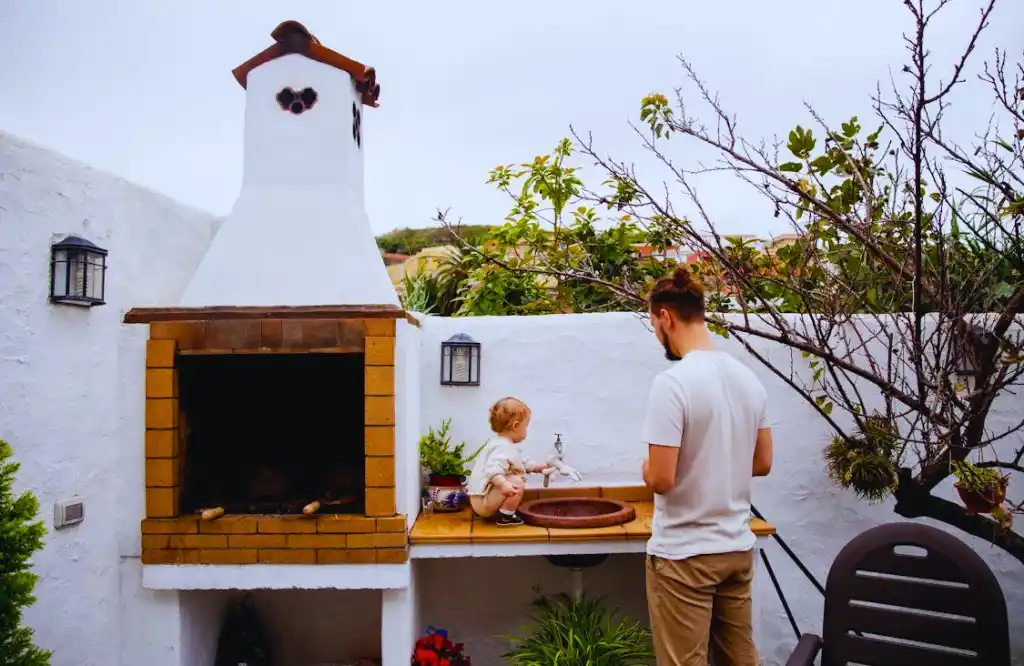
446 481
981 502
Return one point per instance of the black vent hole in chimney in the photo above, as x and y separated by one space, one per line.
296 102
271 433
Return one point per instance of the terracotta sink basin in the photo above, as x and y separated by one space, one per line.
576 512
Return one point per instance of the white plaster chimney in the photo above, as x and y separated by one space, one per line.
298 233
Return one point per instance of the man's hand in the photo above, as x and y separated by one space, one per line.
539 469
645 468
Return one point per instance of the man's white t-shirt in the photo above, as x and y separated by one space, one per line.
710 406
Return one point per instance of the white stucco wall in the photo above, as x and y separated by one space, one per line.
60 386
587 377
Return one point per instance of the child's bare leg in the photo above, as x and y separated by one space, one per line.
512 503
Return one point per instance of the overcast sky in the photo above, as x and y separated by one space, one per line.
143 88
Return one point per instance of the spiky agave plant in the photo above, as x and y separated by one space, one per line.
866 462
580 632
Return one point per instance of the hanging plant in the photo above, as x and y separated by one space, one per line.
982 489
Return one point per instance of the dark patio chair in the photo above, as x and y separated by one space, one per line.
939 605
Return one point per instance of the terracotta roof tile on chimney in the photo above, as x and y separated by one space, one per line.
293 37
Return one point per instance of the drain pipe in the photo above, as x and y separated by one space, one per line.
576 564
577 583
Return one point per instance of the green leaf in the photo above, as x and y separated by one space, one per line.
791 167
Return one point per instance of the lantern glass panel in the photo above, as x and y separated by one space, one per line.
94 277
60 274
462 365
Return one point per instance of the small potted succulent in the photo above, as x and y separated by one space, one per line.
444 465
435 649
982 489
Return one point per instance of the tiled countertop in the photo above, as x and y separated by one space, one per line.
464 527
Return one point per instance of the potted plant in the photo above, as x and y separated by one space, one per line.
434 649
445 466
580 632
982 489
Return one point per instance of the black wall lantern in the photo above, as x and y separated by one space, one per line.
460 361
77 272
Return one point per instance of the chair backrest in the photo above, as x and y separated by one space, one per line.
904 594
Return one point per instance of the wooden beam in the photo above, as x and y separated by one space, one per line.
150 315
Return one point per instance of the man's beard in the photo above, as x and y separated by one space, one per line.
669 354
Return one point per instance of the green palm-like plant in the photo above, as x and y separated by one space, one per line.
580 632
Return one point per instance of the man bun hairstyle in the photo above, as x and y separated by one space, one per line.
681 293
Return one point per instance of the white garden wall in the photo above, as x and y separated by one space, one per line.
60 387
587 377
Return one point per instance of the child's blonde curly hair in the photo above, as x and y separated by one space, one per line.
507 413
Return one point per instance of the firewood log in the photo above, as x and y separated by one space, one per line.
212 514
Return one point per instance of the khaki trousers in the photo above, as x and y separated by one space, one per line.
701 600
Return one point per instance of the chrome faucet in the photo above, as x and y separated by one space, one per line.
558 445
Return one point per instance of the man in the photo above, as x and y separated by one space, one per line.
708 434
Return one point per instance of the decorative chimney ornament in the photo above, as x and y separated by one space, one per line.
296 102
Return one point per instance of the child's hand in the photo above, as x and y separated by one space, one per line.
539 469
509 490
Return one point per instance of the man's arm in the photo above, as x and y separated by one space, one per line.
763 452
663 432
763 448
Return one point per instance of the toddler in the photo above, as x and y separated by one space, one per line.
495 487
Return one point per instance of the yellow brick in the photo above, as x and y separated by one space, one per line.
317 541
170 556
379 351
287 526
257 540
379 380
391 524
287 556
338 556
180 525
392 555
188 334
380 472
227 556
161 413
155 541
384 328
380 440
198 541
161 472
379 411
162 502
229 525
338 524
380 501
160 353
161 383
161 443
390 540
